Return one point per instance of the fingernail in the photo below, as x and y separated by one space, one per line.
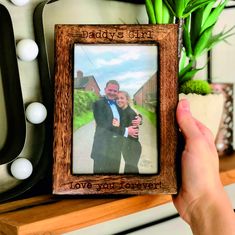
185 104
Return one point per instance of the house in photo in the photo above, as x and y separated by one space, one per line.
146 96
86 83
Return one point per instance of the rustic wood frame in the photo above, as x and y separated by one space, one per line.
64 182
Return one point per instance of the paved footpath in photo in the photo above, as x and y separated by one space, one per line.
82 145
83 140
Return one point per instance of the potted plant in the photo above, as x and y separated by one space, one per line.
196 20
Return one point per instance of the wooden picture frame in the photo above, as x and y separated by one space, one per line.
165 179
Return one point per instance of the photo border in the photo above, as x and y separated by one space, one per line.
165 37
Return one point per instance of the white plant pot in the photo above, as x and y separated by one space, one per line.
208 109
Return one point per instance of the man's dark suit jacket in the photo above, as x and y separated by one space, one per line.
107 138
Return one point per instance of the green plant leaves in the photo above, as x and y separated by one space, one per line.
197 20
206 12
189 75
194 5
202 42
199 17
150 11
171 6
213 16
158 12
179 7
167 16
222 36
186 69
183 8
187 38
202 25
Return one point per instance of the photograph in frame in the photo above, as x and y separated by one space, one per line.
134 69
117 46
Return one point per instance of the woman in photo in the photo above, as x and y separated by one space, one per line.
131 148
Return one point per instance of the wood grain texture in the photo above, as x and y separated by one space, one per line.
72 214
165 37
25 203
53 215
56 215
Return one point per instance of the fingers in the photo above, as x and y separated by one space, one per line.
133 131
185 120
115 122
204 130
136 121
191 127
208 136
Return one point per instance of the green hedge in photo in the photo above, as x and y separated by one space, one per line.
82 107
83 101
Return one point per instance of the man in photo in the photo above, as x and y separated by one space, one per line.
107 145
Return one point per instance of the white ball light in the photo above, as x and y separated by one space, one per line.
36 113
27 49
19 2
21 168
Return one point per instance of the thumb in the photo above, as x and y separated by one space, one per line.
185 120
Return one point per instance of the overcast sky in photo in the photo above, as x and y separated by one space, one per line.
130 65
